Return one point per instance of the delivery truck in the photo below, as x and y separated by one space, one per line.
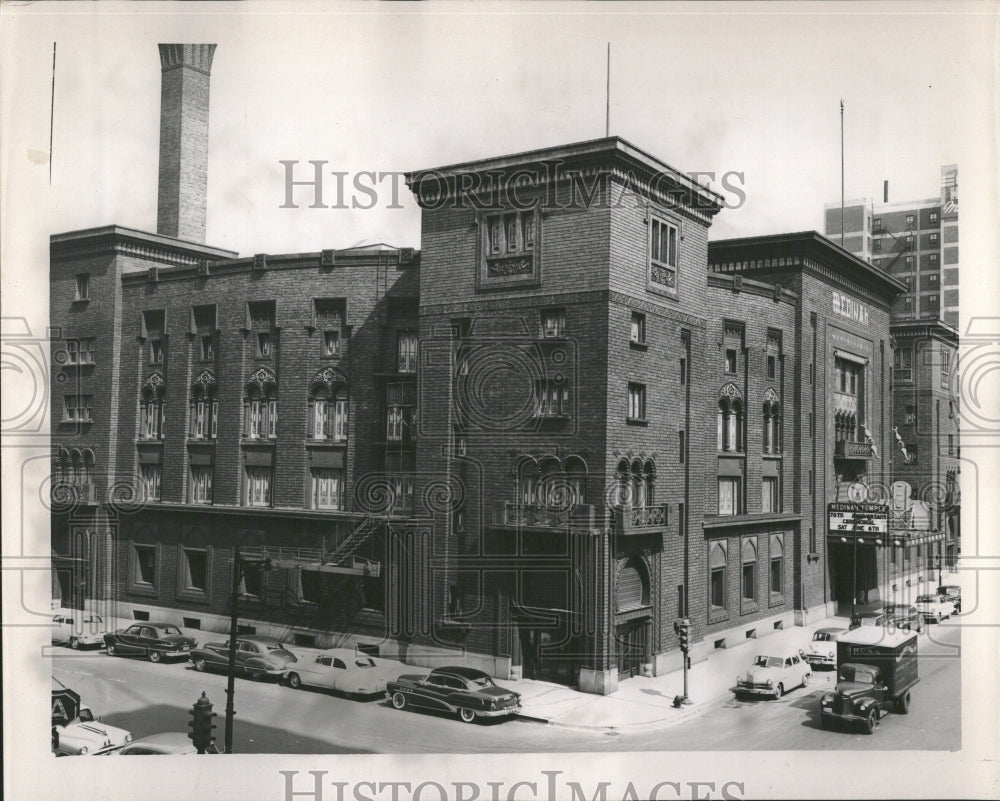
876 670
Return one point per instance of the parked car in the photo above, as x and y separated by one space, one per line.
465 691
75 729
171 742
257 657
870 617
345 671
773 673
823 648
77 629
934 607
904 616
953 593
156 641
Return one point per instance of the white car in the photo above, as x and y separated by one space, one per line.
345 671
934 607
171 742
823 648
77 629
774 673
87 736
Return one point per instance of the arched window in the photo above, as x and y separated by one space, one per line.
576 479
551 490
717 574
772 422
151 416
638 494
328 405
260 405
632 590
552 484
777 557
749 576
204 406
730 419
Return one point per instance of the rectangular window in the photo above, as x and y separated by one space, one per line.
911 415
945 368
400 469
683 372
933 216
951 444
204 418
663 254
777 563
748 583
877 224
769 494
877 245
729 495
551 398
82 286
772 366
195 569
331 343
932 258
149 482
77 408
406 352
80 351
730 360
144 564
327 488
155 350
553 323
908 262
263 345
260 418
637 330
328 419
681 446
400 412
637 401
201 483
510 233
257 491
909 220
207 347
933 239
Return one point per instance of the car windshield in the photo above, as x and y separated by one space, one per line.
93 619
274 646
170 630
768 661
822 636
482 682
927 599
857 673
86 716
365 662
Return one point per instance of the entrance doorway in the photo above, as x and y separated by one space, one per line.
632 647
547 655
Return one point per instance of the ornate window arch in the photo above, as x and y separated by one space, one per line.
772 422
552 483
151 414
260 405
327 397
730 418
632 586
204 405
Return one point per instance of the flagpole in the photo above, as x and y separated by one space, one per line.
52 109
607 96
842 172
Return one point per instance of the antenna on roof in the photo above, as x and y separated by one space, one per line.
607 97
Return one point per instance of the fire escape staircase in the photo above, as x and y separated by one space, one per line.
342 559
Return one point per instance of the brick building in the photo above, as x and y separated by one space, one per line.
566 422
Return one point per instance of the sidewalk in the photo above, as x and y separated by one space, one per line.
643 703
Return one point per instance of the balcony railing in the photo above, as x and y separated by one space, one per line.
63 493
902 374
853 450
530 515
640 519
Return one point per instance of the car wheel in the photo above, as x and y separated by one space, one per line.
903 704
805 679
112 651
294 681
399 700
154 655
255 675
199 664
778 691
467 715
74 643
871 721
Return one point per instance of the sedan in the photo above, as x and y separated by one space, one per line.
934 607
257 657
823 648
772 674
171 742
904 616
953 593
155 641
344 671
77 629
466 691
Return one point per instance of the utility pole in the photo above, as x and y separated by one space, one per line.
231 672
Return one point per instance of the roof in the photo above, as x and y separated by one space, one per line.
876 635
459 670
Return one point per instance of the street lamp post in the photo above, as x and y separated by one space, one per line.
239 570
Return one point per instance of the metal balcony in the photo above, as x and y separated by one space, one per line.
521 515
640 519
853 450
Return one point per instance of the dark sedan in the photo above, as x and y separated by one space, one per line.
155 641
465 691
904 616
257 657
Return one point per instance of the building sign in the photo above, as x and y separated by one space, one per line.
858 518
849 307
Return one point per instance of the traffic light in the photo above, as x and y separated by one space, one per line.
682 628
201 724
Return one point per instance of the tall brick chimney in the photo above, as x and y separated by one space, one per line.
184 140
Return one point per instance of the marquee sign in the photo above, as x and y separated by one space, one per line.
858 518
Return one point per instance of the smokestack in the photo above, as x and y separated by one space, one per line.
885 191
183 183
